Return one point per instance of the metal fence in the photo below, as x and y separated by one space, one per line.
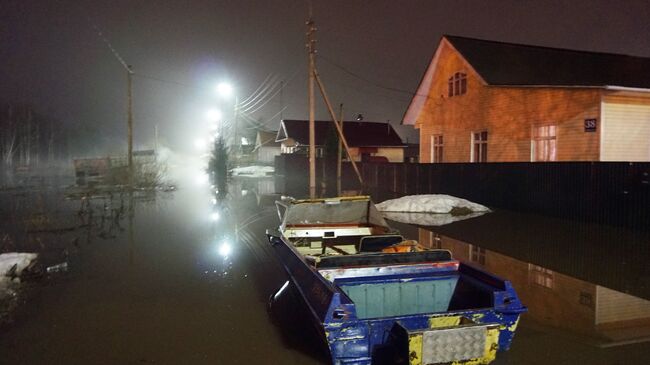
616 193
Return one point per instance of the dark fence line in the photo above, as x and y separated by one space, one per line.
615 193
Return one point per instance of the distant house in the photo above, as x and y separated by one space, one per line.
91 170
368 141
266 148
485 101
140 157
102 169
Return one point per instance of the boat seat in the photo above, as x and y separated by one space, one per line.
374 259
376 243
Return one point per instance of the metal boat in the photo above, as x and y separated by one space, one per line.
377 298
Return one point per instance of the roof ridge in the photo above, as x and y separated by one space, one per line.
451 36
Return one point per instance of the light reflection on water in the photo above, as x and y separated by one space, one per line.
171 284
579 283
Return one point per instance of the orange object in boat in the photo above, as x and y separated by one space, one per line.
404 246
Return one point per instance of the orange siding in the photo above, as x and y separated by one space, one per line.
558 306
507 113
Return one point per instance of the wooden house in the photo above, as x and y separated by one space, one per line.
368 141
486 101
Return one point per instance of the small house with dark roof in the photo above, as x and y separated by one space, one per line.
487 101
368 141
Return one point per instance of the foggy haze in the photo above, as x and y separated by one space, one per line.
53 59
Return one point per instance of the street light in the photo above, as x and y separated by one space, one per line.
213 115
224 89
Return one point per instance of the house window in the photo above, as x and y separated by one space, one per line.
286 149
479 146
457 84
541 276
477 254
436 148
544 143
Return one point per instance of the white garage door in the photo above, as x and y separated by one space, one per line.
625 133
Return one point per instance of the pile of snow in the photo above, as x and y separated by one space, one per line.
8 261
432 203
428 219
253 171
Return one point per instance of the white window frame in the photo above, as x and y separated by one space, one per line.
477 255
433 155
474 142
541 276
535 139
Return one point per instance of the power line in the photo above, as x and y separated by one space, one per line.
282 86
168 81
411 93
270 85
342 68
245 101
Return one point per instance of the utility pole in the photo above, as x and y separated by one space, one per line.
338 127
338 154
129 122
237 142
155 139
312 130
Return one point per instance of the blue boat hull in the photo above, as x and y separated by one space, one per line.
353 339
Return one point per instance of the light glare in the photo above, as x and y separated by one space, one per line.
213 115
224 89
199 143
225 249
202 179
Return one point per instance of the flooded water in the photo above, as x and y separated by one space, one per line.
586 286
162 291
185 278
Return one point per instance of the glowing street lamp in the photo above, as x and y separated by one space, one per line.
200 144
213 115
224 89
224 249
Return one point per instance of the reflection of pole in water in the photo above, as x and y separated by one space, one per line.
130 229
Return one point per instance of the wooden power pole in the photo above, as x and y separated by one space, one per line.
312 125
338 154
129 122
315 78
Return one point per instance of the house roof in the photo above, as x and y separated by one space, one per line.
500 63
510 64
266 139
357 134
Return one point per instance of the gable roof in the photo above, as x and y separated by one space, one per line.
266 139
357 134
501 63
511 64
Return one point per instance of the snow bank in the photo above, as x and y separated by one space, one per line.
7 261
253 171
433 203
21 260
428 219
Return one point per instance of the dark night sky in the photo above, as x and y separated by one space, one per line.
52 58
